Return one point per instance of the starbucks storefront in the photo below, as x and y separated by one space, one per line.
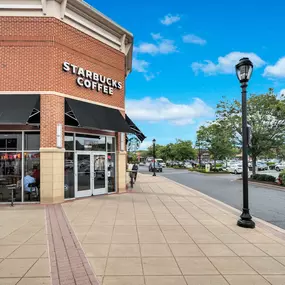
63 122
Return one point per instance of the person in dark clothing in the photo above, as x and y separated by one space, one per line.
135 171
36 175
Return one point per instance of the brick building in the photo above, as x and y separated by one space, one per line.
62 100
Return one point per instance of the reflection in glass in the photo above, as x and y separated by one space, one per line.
10 141
83 172
68 175
90 143
111 172
31 180
99 171
32 141
111 144
69 141
10 173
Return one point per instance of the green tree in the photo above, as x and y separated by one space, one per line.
132 157
217 139
180 150
265 115
183 150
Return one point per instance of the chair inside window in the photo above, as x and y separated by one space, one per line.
33 194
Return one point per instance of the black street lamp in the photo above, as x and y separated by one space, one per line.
154 163
244 70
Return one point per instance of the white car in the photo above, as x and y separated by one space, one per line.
280 166
160 161
188 165
235 168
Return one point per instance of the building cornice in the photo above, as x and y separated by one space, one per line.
78 14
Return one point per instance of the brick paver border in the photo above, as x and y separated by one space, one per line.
68 263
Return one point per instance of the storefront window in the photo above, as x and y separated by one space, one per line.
69 141
111 171
32 141
10 141
69 175
111 144
31 180
10 173
90 143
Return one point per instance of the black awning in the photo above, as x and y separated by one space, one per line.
135 129
98 117
17 109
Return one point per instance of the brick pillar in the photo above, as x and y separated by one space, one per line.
52 158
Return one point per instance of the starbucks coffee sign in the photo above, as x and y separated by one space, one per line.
92 80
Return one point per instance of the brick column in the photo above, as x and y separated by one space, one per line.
52 158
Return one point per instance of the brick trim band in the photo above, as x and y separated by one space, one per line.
68 263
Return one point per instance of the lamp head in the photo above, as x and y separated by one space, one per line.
244 70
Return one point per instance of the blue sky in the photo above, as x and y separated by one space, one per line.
184 57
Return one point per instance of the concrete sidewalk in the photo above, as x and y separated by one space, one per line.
165 233
158 233
23 246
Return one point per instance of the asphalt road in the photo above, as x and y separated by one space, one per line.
265 203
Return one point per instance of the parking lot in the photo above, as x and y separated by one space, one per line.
268 172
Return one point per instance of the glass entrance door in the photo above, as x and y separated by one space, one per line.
99 174
90 175
83 175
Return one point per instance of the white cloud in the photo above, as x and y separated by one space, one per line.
281 94
149 77
145 145
169 19
140 65
160 109
156 36
226 64
193 40
277 70
164 46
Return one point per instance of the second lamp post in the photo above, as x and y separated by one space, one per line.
154 163
244 70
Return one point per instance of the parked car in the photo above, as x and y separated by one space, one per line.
235 168
261 166
161 162
280 166
158 167
188 164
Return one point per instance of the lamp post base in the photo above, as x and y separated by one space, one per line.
154 174
245 220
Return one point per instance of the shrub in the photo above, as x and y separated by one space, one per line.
177 166
264 177
202 170
281 178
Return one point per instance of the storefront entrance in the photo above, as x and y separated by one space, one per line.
91 173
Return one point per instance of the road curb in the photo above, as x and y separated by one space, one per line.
234 210
264 185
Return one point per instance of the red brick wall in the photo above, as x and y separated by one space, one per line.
32 52
52 113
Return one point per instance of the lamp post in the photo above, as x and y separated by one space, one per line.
154 163
244 70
